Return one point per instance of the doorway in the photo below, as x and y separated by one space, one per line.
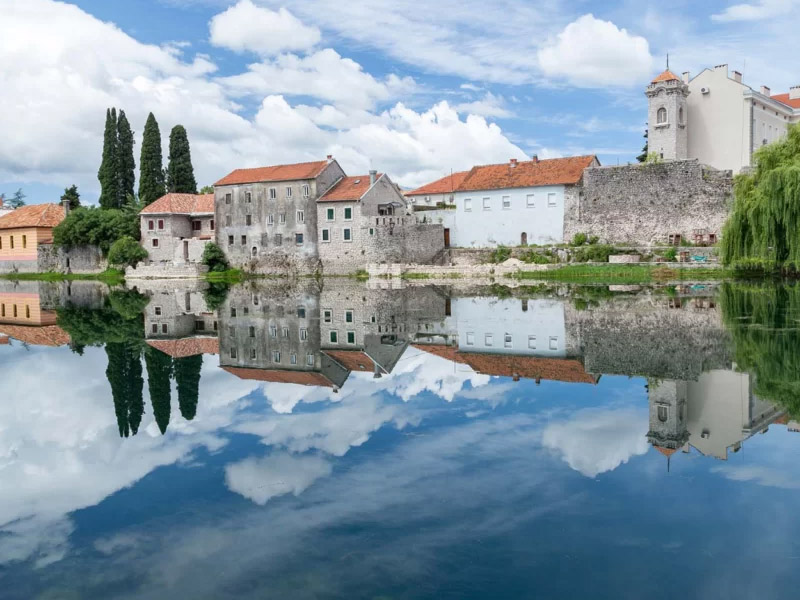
523 239
446 237
186 250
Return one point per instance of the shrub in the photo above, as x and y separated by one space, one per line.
500 254
96 227
537 258
214 258
671 254
126 251
579 239
595 253
593 240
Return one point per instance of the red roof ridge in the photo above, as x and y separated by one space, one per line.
312 378
177 203
785 99
302 170
666 75
448 183
566 170
349 188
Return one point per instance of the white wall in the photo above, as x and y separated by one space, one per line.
498 226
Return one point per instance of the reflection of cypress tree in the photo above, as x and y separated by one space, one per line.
159 371
124 373
187 376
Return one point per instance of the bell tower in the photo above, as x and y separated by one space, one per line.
667 116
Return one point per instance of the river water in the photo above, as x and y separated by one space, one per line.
336 440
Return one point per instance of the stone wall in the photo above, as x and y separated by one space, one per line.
166 271
78 259
645 203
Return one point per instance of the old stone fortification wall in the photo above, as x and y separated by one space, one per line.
166 271
78 259
645 203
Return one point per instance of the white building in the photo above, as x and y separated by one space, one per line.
716 118
441 191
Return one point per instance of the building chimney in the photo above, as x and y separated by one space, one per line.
722 68
65 205
372 175
685 76
794 92
512 163
535 158
765 90
330 158
737 77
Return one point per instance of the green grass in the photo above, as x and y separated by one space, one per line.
109 276
229 276
625 274
417 275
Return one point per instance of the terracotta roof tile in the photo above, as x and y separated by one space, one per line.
352 360
666 76
348 189
441 350
307 170
33 215
280 376
4 340
184 347
448 183
666 451
181 204
49 335
784 99
553 171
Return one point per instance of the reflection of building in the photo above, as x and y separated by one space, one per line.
25 317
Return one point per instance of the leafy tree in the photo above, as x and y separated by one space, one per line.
180 173
207 189
159 372
645 149
124 373
214 258
216 294
151 170
765 221
126 165
98 227
187 377
71 194
109 181
126 251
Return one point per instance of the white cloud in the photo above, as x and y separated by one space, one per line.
490 105
757 11
247 27
590 52
260 479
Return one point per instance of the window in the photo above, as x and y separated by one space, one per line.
327 315
334 337
276 356
248 220
488 339
507 340
11 239
252 354
273 193
245 310
301 216
680 116
254 252
227 198
532 342
233 352
232 331
303 334
553 342
199 326
326 235
288 191
233 311
551 199
252 331
161 223
153 327
282 218
2 310
27 312
310 360
347 235
164 328
255 300
278 239
306 190
348 213
348 316
351 337
270 219
506 202
487 204
230 240
151 225
273 331
244 240
663 413
467 204
24 241
157 311
284 332
293 359
661 116
298 239
228 220
212 224
196 225
330 214
248 197
301 312
371 231
155 242
470 339
529 202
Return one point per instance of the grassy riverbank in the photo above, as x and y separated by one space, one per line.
625 274
109 276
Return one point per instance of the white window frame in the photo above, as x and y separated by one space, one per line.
310 360
330 214
270 220
508 340
326 235
281 218
506 203
293 359
488 340
288 191
333 334
273 331
344 212
553 342
552 199
276 356
349 313
273 193
301 216
327 315
486 203
303 334
467 204
470 338
532 342
530 201
347 338
349 232
306 190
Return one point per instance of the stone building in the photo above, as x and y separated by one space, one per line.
177 310
267 217
666 116
176 228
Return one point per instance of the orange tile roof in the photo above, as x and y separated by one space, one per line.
448 183
279 376
4 340
183 347
49 335
666 451
553 171
441 350
181 204
352 360
666 76
784 99
348 189
33 215
307 170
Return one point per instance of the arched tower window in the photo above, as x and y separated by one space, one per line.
662 414
661 115
680 116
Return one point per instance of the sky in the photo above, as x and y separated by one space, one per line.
411 89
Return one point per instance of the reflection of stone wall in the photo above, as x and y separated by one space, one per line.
57 294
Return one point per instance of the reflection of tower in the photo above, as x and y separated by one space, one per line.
668 431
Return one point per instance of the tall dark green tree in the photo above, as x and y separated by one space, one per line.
187 376
124 373
109 181
645 150
71 194
151 169
159 372
180 173
126 165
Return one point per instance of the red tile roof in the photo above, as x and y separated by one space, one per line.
448 183
181 204
348 189
441 350
34 215
784 99
307 170
4 340
186 346
666 451
666 76
352 360
279 376
49 335
553 171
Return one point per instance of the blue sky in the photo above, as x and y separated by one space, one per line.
414 90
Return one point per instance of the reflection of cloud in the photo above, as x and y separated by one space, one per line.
595 441
761 475
260 479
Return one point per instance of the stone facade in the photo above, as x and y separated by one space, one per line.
78 259
667 117
177 310
176 228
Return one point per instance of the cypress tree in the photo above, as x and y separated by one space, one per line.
126 165
151 170
187 376
71 194
124 373
109 185
159 371
180 174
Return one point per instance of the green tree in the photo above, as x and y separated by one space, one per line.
17 200
126 165
95 226
109 182
180 173
151 168
764 224
207 189
187 378
214 258
124 373
645 149
127 252
159 372
71 194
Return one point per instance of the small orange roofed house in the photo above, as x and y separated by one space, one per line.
176 228
23 231
23 318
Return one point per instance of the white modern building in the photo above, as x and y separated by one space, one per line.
715 117
441 191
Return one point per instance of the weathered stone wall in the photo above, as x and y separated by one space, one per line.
645 203
78 259
177 240
166 271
